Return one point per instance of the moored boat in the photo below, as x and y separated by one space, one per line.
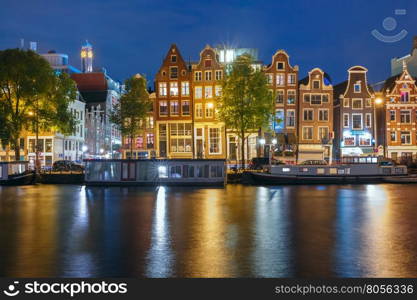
16 173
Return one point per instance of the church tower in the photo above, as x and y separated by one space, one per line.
87 58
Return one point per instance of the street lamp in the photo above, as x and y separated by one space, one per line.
262 141
377 102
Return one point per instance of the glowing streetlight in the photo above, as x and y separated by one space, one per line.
101 150
378 101
210 105
85 148
262 141
274 141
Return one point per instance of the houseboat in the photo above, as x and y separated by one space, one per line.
360 170
15 173
194 172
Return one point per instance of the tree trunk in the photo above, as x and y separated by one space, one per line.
242 146
131 146
16 147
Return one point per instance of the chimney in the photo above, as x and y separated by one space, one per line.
414 44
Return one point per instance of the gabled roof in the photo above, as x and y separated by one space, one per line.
90 81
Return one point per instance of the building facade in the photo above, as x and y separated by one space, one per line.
173 111
209 132
354 116
401 117
282 80
315 125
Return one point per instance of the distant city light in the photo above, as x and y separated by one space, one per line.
274 141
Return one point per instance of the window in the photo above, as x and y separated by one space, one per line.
218 90
392 115
357 121
325 98
173 88
307 133
368 120
315 99
405 137
357 87
279 99
209 110
149 122
306 98
207 64
186 108
291 97
323 133
393 136
345 120
323 115
367 102
180 137
405 96
405 116
280 65
48 145
364 140
290 118
149 140
208 92
198 92
280 79
185 88
214 140
173 58
199 110
163 108
291 78
345 102
316 84
197 76
218 75
175 108
349 141
162 88
173 72
269 78
357 103
207 75
139 142
308 115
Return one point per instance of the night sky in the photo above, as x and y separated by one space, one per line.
132 36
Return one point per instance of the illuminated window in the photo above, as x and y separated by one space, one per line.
357 87
180 137
185 88
149 140
214 140
345 102
349 141
173 88
139 142
198 92
162 88
307 133
365 140
209 110
218 90
199 110
291 97
392 115
357 122
269 78
405 116
323 133
367 102
280 79
393 136
405 96
218 75
208 92
291 78
290 118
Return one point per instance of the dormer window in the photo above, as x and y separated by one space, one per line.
405 96
173 58
316 84
280 65
357 87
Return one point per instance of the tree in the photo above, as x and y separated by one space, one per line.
32 96
246 103
130 113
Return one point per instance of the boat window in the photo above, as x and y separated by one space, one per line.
303 169
190 171
176 172
347 171
162 172
374 160
340 171
286 169
216 171
206 171
1 171
200 171
320 171
185 171
333 171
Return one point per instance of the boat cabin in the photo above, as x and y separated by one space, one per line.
8 169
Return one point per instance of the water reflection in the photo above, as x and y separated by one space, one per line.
239 231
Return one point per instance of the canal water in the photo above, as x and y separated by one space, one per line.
238 231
